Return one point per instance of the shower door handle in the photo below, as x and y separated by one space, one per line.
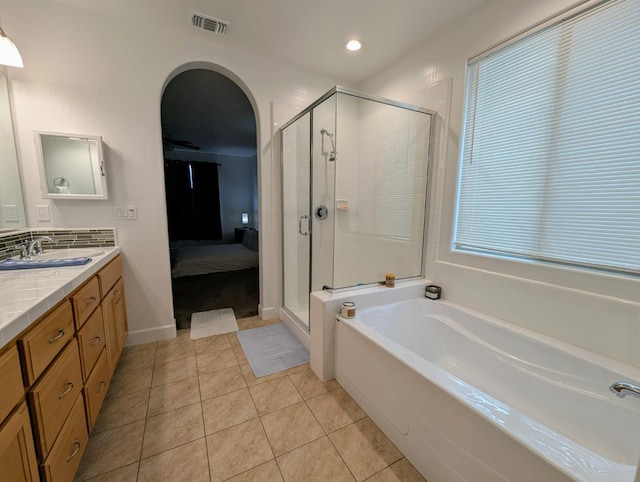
302 218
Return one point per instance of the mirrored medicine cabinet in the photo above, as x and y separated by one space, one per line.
12 213
71 166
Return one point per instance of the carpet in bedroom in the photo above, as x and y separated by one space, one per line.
234 289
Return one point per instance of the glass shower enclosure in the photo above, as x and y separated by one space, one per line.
355 173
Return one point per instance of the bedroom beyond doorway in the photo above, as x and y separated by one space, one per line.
210 165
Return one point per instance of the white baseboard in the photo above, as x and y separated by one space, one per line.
300 333
268 313
148 335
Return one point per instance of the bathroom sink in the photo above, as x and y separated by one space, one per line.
69 253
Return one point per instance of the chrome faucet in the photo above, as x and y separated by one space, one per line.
35 247
623 388
23 248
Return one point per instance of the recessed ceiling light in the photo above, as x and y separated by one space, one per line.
353 45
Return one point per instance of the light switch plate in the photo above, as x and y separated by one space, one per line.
129 213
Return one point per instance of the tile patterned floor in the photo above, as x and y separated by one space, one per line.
192 410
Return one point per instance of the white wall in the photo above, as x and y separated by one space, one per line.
92 73
237 192
595 311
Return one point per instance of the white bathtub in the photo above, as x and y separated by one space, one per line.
467 397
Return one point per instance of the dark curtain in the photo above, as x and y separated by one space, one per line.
193 212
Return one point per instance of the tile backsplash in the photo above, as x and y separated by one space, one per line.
65 238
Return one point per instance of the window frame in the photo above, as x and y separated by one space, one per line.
482 256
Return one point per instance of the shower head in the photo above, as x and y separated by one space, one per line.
332 155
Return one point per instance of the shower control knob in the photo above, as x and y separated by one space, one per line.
322 212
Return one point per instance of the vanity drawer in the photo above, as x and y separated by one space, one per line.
10 381
41 345
85 300
109 275
62 462
96 388
91 340
53 396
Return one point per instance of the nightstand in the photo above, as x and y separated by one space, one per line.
238 234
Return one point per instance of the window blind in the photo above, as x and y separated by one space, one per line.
550 164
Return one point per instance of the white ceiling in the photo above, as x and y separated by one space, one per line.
309 34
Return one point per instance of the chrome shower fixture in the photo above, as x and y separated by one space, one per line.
332 154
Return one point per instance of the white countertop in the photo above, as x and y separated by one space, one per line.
26 295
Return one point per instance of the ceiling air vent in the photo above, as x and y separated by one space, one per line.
215 25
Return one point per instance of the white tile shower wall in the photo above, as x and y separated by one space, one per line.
384 183
324 117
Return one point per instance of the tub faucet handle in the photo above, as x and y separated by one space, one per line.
622 389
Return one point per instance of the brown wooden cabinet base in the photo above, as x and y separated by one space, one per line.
17 453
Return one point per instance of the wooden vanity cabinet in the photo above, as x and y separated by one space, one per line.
10 381
85 300
96 388
55 377
62 462
115 319
45 340
17 454
92 341
52 398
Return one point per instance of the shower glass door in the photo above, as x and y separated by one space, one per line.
296 199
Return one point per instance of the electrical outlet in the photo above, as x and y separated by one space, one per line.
10 213
42 212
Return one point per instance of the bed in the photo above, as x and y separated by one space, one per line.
196 260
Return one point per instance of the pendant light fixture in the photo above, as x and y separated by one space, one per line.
9 54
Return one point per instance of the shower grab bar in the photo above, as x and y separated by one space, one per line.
621 389
302 218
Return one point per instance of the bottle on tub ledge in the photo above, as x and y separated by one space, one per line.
348 309
390 280
433 292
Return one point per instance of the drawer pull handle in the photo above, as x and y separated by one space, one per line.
95 340
76 449
117 296
58 336
61 395
90 300
101 387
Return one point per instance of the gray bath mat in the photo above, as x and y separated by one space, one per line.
271 349
214 322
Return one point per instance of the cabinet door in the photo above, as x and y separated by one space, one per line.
10 381
114 311
120 309
17 453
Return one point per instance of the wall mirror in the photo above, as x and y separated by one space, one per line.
71 166
12 214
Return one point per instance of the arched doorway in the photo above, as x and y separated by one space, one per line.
211 186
